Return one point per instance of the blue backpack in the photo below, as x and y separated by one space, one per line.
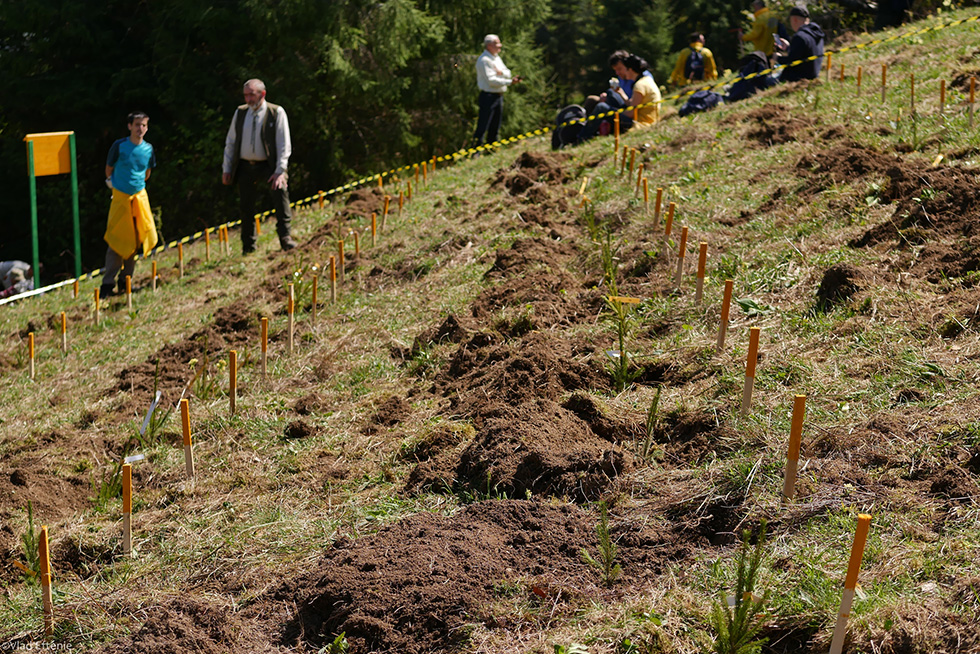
694 66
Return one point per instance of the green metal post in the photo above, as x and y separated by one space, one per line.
74 207
33 187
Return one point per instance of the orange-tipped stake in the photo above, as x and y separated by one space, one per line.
581 188
632 160
153 276
290 307
44 558
750 362
401 205
425 173
646 194
129 293
639 179
842 72
357 243
265 346
374 229
434 164
180 260
408 191
702 262
793 455
973 91
622 167
381 184
656 207
636 114
258 226
726 305
333 280
322 194
384 213
98 309
830 59
30 355
207 244
74 288
850 583
859 80
341 261
127 480
232 380
64 333
615 149
668 224
680 257
884 81
616 128
185 420
942 96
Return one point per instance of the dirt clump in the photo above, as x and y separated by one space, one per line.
362 202
298 429
774 124
451 330
529 253
391 412
542 301
310 404
413 586
839 284
529 169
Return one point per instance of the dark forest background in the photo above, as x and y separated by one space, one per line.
367 86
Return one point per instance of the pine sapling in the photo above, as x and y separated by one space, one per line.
738 624
605 564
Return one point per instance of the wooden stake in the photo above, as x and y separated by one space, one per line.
74 288
153 277
830 59
434 164
639 179
884 79
408 192
384 213
127 478
321 199
702 262
646 195
290 302
316 280
129 293
581 188
680 257
64 333
615 150
616 128
636 114
30 355
357 243
258 226
942 96
842 72
670 220
859 81
401 204
850 583
341 262
265 346
207 244
632 160
185 419
793 455
656 207
750 370
425 174
374 229
381 184
98 312
622 168
180 260
232 380
44 558
417 171
333 280
726 304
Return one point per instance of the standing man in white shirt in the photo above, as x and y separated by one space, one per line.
257 151
493 78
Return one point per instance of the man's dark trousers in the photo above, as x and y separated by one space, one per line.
491 111
253 183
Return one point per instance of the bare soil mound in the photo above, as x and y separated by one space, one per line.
537 448
543 300
190 625
413 586
529 169
485 372
529 253
839 284
361 203
844 163
391 412
775 124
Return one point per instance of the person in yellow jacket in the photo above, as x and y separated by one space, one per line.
695 63
763 27
130 225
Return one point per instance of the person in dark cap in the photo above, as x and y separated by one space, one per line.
807 42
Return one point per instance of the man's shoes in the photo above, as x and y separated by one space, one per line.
287 242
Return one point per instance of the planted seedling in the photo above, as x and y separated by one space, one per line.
605 564
738 620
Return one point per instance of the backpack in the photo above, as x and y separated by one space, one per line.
694 66
754 62
700 101
567 134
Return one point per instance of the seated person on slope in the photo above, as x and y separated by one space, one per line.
695 63
645 95
806 42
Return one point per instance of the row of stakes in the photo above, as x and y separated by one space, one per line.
793 453
791 470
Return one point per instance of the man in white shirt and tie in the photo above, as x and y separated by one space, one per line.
493 78
257 150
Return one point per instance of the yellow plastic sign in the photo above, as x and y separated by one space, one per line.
52 153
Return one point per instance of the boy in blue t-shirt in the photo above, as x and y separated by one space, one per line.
130 223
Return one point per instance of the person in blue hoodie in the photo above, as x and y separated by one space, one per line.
806 42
